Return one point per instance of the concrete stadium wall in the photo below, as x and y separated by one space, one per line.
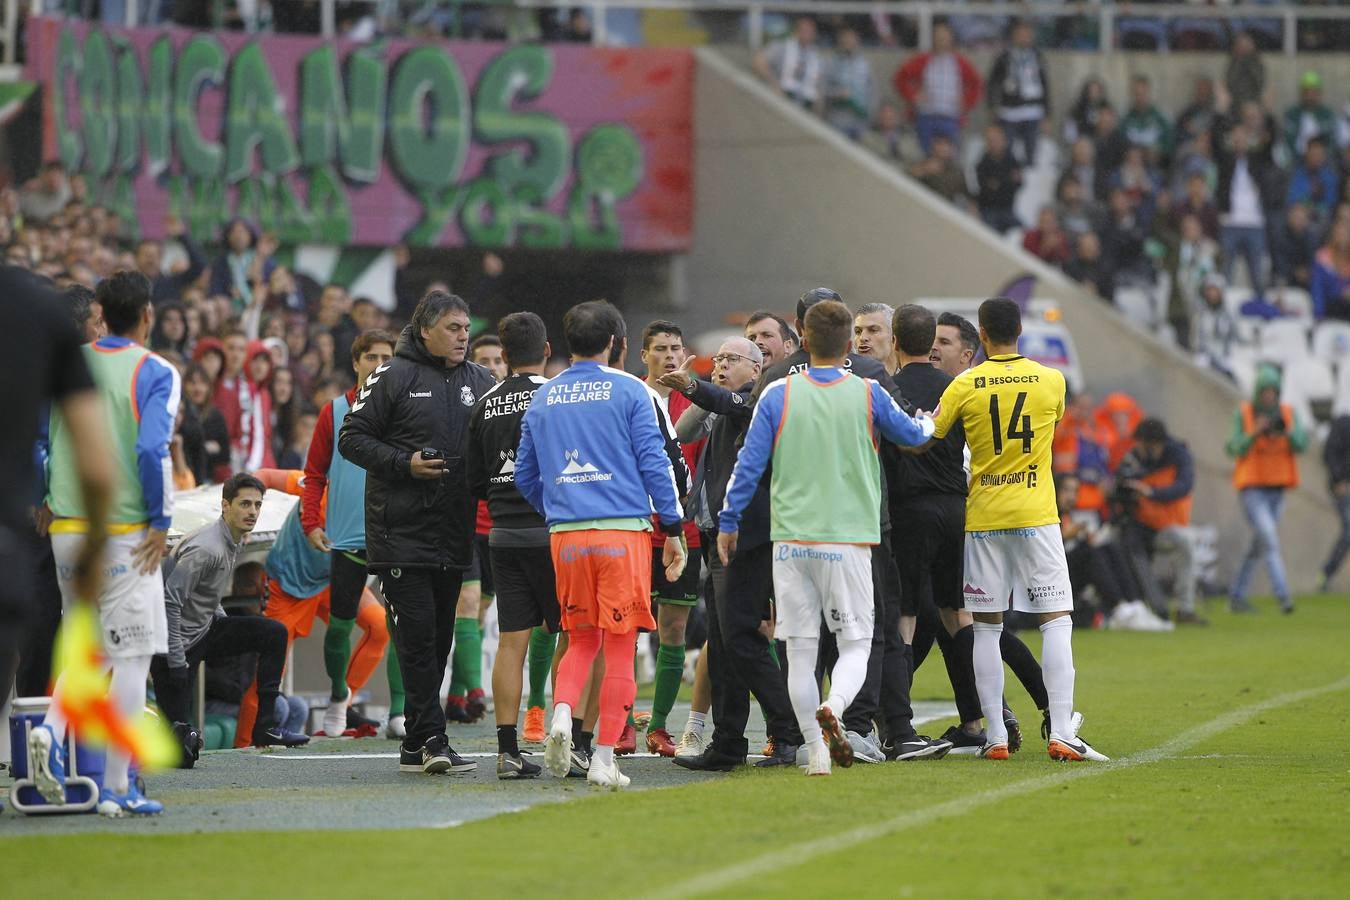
783 204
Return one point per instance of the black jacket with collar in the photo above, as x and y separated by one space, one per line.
733 409
413 402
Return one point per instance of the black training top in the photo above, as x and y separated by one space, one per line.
494 435
939 470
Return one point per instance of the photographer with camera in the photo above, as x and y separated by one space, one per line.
1266 436
1158 477
408 429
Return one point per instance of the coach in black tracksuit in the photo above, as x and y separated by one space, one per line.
419 513
739 663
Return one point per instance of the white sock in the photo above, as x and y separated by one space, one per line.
602 755
562 718
334 717
849 672
127 692
55 718
987 662
1057 669
696 722
802 688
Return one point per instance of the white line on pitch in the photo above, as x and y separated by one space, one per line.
796 854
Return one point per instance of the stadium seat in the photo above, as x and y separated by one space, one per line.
1241 362
1331 343
1234 297
1340 405
1283 341
1310 380
1296 302
1136 304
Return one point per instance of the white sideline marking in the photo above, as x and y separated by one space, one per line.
796 854
310 757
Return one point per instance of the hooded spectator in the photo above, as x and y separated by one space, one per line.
1117 418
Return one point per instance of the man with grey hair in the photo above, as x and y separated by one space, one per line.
408 429
739 662
872 334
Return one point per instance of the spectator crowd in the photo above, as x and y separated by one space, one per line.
1180 205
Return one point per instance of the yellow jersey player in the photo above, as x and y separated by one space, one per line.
1009 406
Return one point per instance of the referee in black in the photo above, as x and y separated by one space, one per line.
927 493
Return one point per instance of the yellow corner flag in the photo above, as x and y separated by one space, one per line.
84 697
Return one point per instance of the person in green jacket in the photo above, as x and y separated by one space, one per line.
1144 125
1265 437
1309 118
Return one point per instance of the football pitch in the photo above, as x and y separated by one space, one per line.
1229 777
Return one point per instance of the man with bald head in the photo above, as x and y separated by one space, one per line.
738 652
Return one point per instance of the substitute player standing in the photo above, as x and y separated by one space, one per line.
592 460
819 429
1009 406
140 393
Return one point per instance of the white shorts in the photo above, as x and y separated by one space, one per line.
1027 563
130 605
830 580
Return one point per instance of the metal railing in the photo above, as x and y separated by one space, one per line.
1106 16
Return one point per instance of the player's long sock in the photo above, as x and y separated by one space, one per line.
467 665
803 689
541 661
506 740
988 667
394 672
1023 663
669 673
1057 651
337 651
962 675
618 689
574 668
849 672
696 723
127 692
369 647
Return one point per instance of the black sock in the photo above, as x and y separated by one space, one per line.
1023 663
961 673
586 738
506 740
576 731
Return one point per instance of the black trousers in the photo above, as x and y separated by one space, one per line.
347 579
738 655
44 611
230 636
422 610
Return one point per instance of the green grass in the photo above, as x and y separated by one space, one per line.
1256 810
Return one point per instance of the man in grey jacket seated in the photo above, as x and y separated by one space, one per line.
196 576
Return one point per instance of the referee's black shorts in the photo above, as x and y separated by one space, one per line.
927 539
